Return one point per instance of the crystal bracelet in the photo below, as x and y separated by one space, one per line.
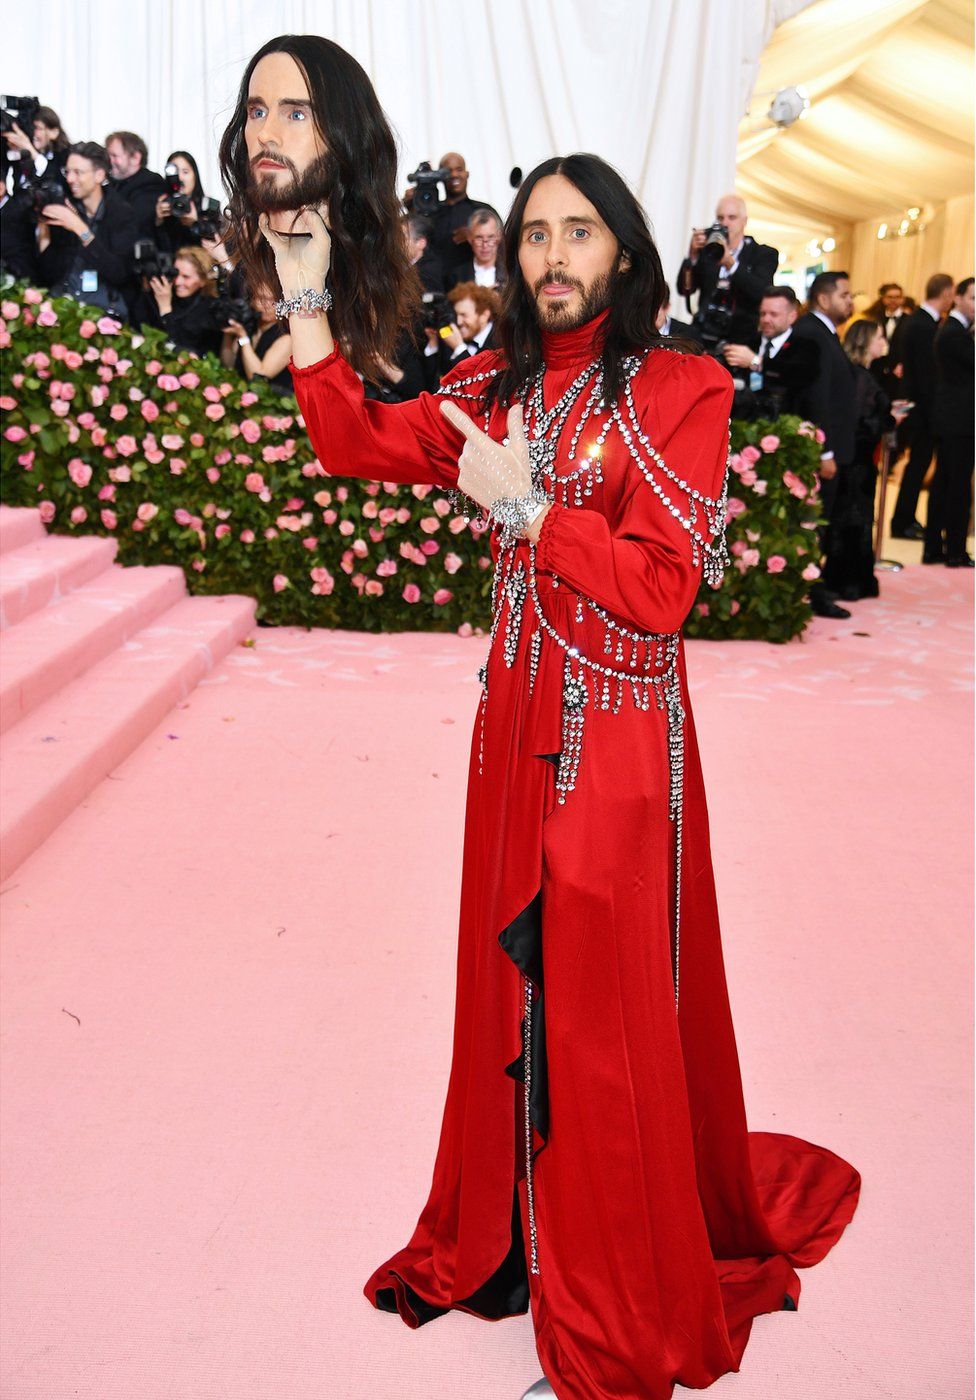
307 303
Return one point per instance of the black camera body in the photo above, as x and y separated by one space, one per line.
179 203
18 111
426 198
716 242
713 320
228 307
436 311
151 260
45 191
210 219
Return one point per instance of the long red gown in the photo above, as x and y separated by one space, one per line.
662 1226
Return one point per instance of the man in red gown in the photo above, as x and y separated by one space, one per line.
594 1161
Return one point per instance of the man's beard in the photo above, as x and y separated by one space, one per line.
307 187
557 316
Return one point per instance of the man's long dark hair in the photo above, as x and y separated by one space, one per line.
375 290
635 295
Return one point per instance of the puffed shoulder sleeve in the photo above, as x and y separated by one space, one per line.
410 442
642 561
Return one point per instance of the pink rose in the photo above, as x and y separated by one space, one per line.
109 356
47 511
734 508
109 519
346 527
9 311
329 517
73 360
386 568
79 471
127 445
748 476
734 606
775 564
323 582
247 537
750 558
106 493
47 317
147 511
442 596
182 516
79 515
149 410
107 326
213 474
821 436
33 297
26 460
221 531
373 588
215 411
703 610
769 443
429 524
189 380
247 398
411 594
211 393
760 487
811 572
280 581
452 562
117 412
196 439
168 383
177 466
87 329
250 431
750 454
254 481
15 433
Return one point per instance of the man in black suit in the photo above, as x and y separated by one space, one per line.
729 276
773 373
418 232
916 345
139 187
486 264
473 330
670 325
953 406
829 402
452 216
85 245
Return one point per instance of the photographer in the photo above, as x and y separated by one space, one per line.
85 245
729 271
45 150
185 306
473 329
774 378
139 187
262 348
452 216
178 209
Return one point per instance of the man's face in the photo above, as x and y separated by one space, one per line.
732 214
485 239
567 255
286 152
776 314
124 163
469 321
415 246
837 304
965 303
43 137
81 177
892 300
457 180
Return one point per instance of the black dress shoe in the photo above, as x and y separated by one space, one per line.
823 608
933 556
960 561
914 531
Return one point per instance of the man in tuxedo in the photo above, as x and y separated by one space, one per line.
729 283
917 350
773 373
670 325
829 402
953 406
889 312
476 310
486 264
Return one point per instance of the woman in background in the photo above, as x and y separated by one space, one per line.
185 306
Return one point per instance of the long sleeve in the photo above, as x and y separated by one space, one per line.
752 281
639 566
408 442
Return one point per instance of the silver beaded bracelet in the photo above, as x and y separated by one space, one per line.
514 513
307 303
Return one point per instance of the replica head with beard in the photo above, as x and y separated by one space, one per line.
307 129
577 243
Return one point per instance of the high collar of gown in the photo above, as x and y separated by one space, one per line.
563 349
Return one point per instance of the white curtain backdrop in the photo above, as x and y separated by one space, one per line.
657 87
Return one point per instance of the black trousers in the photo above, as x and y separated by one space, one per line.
919 457
950 499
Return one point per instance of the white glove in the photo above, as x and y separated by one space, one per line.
301 263
487 470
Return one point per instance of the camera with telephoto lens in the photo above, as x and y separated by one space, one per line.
712 321
426 198
210 220
228 307
716 242
436 311
151 260
44 191
18 111
179 203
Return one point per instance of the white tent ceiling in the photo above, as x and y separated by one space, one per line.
890 124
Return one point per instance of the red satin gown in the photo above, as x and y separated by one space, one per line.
662 1225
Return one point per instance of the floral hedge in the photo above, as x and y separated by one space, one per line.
110 431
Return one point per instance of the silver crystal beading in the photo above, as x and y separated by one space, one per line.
307 302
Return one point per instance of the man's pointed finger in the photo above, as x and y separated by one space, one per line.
460 420
517 440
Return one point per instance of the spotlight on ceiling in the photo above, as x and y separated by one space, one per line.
788 106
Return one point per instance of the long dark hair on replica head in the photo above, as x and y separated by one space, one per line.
375 290
635 295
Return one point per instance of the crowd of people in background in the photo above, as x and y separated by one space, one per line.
91 220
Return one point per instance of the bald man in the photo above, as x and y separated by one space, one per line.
451 219
730 283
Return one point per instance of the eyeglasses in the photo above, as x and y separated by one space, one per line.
485 238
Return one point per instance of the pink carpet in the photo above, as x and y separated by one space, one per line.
228 999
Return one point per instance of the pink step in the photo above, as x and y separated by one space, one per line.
47 569
51 647
58 753
19 526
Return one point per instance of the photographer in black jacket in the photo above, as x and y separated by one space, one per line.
85 245
141 188
178 211
729 271
185 305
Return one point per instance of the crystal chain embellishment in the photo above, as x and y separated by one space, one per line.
527 1078
515 592
575 696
